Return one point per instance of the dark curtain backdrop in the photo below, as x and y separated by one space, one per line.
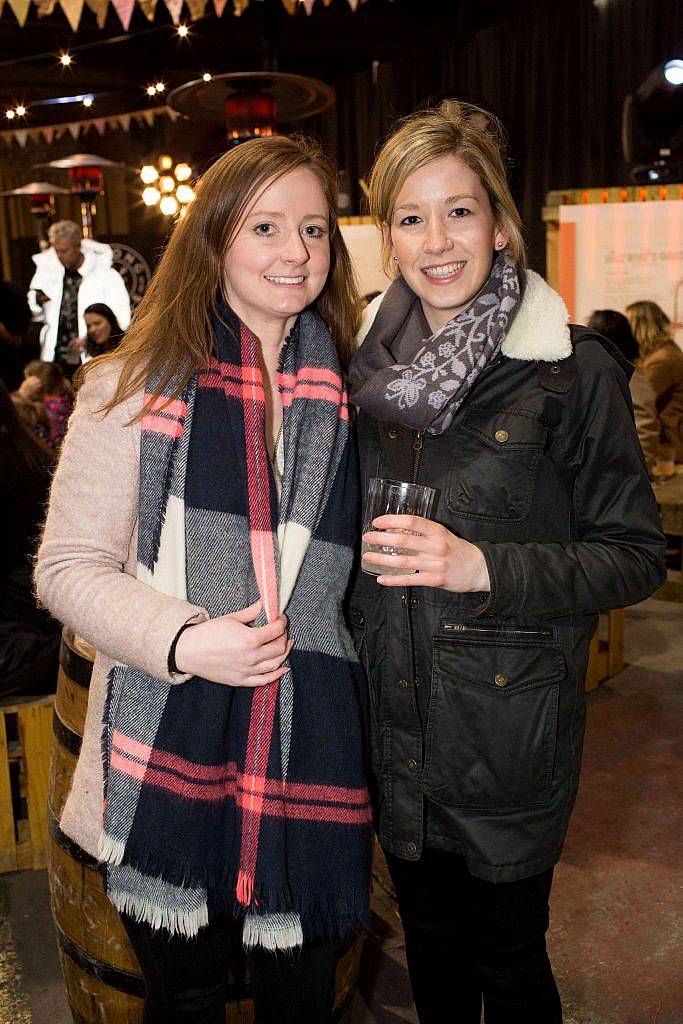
557 78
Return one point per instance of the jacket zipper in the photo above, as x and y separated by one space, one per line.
418 444
461 627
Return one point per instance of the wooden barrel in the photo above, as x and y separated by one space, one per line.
101 973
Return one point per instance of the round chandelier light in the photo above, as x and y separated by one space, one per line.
167 185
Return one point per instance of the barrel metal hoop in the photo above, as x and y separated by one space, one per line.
114 977
76 667
66 736
62 840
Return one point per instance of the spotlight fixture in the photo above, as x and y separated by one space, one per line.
183 31
165 189
65 59
673 71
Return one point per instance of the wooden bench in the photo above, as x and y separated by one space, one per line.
25 738
606 653
669 497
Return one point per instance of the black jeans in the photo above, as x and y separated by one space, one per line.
187 979
468 940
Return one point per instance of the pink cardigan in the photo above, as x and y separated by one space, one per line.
85 575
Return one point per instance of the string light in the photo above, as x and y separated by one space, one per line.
10 115
151 90
183 31
87 102
65 59
207 76
21 110
160 86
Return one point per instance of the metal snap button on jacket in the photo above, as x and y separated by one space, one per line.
501 436
411 848
412 764
393 434
501 680
402 684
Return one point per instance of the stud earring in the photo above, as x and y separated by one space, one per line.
395 258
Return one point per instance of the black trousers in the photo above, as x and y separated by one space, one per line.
469 941
187 979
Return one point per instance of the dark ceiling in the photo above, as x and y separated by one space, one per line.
328 44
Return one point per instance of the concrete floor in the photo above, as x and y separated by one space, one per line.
617 907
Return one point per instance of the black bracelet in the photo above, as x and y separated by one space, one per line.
172 667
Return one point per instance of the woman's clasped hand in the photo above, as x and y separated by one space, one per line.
229 650
437 557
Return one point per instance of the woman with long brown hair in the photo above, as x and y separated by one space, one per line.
662 363
200 537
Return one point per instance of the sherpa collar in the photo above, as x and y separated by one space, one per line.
540 329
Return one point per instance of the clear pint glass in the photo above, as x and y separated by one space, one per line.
394 498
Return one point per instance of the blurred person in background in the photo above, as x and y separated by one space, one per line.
29 638
104 333
662 361
46 383
71 275
15 319
615 327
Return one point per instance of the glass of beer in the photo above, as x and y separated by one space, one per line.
393 498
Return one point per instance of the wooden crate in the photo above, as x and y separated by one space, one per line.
25 738
606 654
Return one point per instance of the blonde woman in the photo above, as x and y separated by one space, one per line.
470 380
199 535
662 361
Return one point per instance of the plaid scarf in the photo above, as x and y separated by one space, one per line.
404 373
228 799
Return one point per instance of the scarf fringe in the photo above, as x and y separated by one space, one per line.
173 921
110 850
274 932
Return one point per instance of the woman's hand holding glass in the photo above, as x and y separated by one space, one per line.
228 650
438 558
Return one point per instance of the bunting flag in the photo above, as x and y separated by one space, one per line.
73 9
117 122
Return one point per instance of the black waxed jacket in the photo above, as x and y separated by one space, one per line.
477 700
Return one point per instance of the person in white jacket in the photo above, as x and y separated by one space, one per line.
71 275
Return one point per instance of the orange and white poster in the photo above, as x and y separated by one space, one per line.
613 254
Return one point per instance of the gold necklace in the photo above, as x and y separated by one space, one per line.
273 457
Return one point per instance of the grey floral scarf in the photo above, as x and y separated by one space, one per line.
401 374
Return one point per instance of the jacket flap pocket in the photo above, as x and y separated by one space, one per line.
505 667
506 430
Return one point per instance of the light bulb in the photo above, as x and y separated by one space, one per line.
160 87
65 59
184 194
151 90
183 31
673 71
166 162
207 76
151 196
10 115
148 174
183 172
167 183
169 205
21 110
87 102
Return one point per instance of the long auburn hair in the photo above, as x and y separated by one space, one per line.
650 325
170 335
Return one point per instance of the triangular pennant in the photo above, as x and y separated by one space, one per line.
73 10
20 8
124 121
148 7
174 8
196 8
290 6
239 6
308 4
173 114
48 134
21 137
149 117
34 134
124 9
74 130
101 125
353 4
219 6
7 136
99 9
